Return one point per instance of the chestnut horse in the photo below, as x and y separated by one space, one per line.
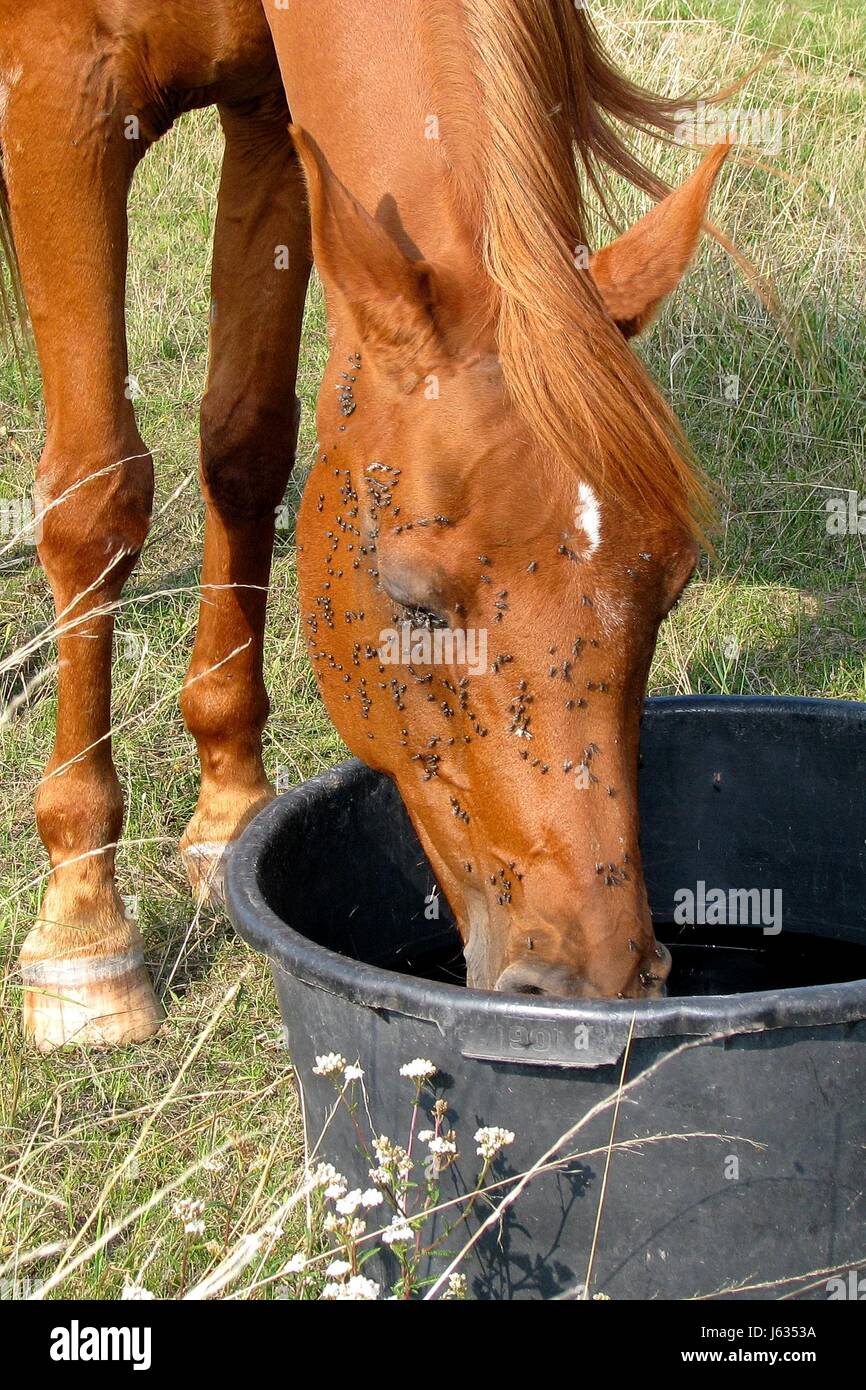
495 466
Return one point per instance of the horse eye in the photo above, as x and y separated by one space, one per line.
410 591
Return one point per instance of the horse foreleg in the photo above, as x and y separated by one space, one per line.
67 171
249 424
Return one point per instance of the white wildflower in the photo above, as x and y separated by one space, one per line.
348 1205
355 1288
371 1198
491 1138
330 1064
132 1293
353 1073
419 1069
325 1174
398 1232
194 1228
456 1286
296 1265
442 1146
393 1160
425 1135
337 1189
337 1268
187 1209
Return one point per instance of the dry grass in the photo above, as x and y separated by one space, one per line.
87 1141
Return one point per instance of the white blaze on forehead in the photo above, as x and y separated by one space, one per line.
587 516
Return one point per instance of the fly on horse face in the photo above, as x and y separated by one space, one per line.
496 472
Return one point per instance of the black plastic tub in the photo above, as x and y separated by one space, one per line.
757 1053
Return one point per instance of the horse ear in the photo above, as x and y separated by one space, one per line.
635 272
389 296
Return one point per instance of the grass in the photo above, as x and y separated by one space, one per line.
779 608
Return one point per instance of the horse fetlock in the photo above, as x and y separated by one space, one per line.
205 864
220 817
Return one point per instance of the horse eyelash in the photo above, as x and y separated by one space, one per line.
423 617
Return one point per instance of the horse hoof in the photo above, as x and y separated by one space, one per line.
95 1001
205 865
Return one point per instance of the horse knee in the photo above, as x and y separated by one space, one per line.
93 511
247 454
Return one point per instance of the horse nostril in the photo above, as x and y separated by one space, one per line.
535 978
653 975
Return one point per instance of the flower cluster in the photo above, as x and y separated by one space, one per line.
393 1164
366 1290
349 1204
189 1212
419 1069
330 1064
441 1148
405 1183
491 1139
335 1066
399 1232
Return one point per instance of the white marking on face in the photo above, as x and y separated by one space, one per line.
587 516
